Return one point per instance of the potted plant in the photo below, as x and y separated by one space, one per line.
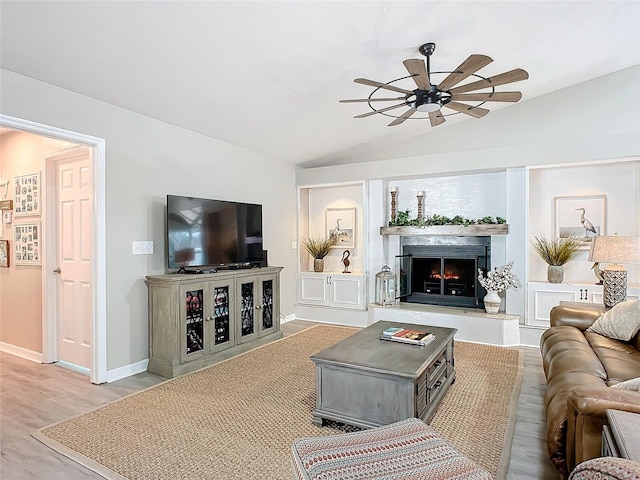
556 252
318 248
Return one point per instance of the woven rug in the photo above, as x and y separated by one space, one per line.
238 419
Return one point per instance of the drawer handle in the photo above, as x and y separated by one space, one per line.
437 385
438 363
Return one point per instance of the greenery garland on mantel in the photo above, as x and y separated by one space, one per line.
402 220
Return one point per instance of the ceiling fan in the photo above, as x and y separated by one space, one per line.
431 98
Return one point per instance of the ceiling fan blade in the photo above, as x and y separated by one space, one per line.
418 71
368 114
403 117
373 83
488 97
511 76
476 112
436 118
470 66
372 100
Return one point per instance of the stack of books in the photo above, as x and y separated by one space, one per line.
403 335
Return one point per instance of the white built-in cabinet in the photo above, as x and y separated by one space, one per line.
342 294
338 290
543 296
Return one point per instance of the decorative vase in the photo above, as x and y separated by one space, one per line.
555 273
492 302
318 264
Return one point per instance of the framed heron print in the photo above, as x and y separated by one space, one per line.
582 216
341 224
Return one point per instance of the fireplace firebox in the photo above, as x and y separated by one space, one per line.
445 274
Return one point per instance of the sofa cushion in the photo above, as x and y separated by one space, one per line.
565 349
622 322
621 360
632 384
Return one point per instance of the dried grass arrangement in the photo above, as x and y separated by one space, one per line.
557 251
318 247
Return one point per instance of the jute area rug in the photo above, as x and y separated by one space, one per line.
238 419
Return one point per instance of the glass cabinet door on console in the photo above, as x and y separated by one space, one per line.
267 307
246 297
222 320
192 322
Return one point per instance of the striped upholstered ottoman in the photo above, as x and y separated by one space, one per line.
405 450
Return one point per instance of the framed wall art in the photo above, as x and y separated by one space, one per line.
26 246
4 253
583 216
341 223
26 199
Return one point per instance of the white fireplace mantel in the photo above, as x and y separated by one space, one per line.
457 230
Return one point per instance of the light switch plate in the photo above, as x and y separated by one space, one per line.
6 217
143 248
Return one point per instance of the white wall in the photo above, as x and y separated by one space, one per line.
617 181
563 127
145 160
321 199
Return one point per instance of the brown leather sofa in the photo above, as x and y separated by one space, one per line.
580 368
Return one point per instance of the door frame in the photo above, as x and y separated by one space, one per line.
98 372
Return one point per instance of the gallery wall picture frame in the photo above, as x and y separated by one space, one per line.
581 216
4 253
27 245
26 195
341 223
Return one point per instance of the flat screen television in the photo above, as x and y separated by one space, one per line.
216 233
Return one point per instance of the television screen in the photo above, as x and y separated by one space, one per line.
203 232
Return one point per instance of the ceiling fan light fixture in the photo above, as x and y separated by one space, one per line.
428 107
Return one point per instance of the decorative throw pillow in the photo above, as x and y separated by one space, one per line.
632 384
622 322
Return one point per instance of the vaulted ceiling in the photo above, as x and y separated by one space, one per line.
268 75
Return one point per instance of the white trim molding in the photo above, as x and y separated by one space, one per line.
99 270
127 370
21 352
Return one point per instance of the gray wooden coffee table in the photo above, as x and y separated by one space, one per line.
368 382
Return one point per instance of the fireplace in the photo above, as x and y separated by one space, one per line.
446 273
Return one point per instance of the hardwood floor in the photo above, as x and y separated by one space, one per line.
33 396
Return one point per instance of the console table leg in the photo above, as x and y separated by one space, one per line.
318 421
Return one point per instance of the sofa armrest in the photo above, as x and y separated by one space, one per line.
596 400
586 414
581 317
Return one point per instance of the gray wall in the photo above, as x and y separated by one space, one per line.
145 160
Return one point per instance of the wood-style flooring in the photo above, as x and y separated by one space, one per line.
33 396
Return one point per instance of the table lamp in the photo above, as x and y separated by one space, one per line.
615 250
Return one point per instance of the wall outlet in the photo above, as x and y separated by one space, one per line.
143 248
294 245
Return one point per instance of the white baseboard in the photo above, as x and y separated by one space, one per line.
21 352
287 318
127 370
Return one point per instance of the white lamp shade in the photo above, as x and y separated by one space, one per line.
615 249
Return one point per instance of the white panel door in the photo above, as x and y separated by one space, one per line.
74 247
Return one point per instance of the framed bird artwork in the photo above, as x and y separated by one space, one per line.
583 217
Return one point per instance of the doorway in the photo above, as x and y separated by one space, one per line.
97 351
